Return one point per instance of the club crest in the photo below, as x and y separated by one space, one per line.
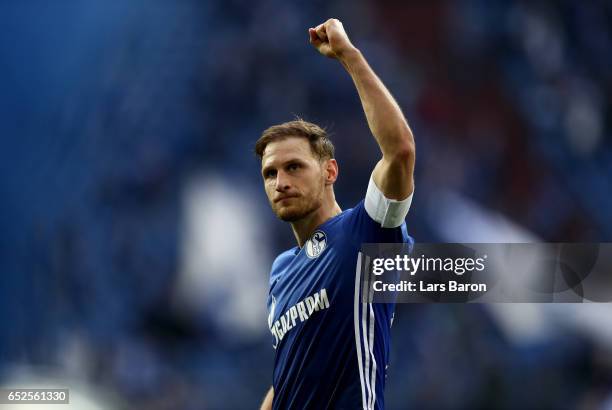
316 244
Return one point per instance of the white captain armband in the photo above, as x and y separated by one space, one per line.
389 213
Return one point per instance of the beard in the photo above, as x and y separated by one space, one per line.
294 209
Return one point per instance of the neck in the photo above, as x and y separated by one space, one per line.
306 226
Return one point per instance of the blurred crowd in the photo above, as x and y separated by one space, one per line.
136 239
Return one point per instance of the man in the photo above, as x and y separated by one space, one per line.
332 350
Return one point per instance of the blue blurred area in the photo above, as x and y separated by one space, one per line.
108 108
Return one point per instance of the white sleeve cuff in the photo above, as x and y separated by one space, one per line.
389 213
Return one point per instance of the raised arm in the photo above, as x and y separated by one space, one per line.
393 174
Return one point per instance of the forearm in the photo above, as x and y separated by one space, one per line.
267 401
393 174
384 116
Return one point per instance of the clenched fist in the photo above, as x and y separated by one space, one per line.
330 39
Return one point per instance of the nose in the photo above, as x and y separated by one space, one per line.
282 182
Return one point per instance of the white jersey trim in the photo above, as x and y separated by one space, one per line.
364 325
365 397
389 213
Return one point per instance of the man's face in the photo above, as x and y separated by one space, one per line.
293 178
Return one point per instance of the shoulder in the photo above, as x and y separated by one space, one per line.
377 210
363 225
280 262
283 258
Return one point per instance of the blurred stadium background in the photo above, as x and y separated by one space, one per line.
135 234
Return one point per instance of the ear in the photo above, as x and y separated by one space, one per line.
331 171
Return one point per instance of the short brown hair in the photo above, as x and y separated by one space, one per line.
320 144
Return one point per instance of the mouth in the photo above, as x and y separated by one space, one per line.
282 198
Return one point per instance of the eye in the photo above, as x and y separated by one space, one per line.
293 167
271 173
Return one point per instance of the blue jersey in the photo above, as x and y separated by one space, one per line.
332 350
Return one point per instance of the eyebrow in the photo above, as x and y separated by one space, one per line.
289 161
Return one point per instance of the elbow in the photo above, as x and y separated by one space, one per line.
400 146
405 152
404 149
